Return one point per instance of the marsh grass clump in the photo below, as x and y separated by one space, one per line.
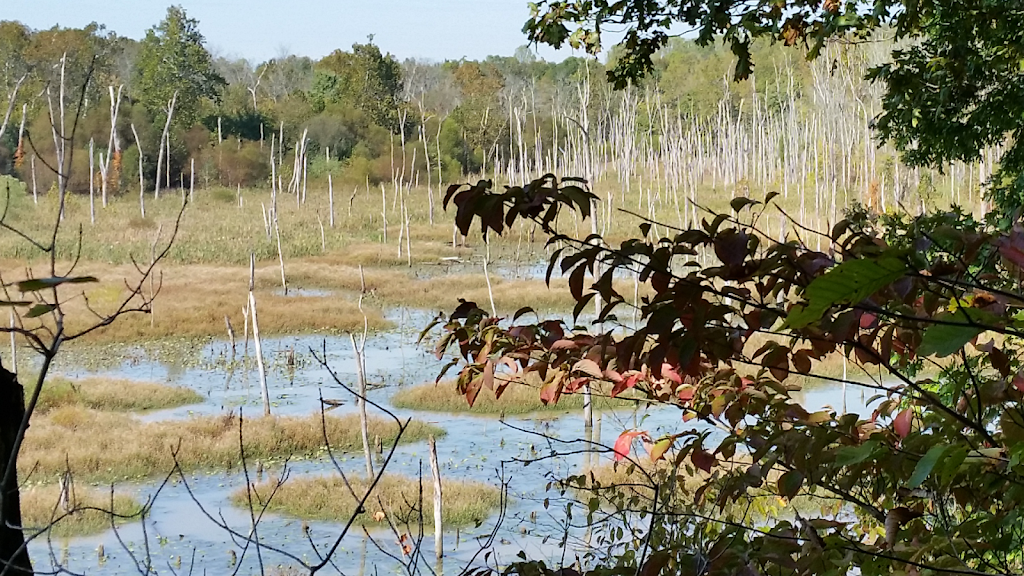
113 395
90 511
463 502
516 399
111 447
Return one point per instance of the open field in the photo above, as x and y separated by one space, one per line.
516 399
112 395
120 447
463 503
89 513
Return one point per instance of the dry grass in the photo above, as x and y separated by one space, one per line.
113 395
516 399
192 302
90 510
120 447
463 503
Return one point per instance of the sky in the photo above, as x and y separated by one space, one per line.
262 29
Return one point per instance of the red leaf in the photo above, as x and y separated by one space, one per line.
702 460
901 424
686 393
667 371
1018 382
575 384
552 391
624 384
624 443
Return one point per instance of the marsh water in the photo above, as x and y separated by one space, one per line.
184 534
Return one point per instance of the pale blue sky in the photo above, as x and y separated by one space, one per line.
261 29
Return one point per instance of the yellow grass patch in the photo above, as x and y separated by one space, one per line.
113 395
109 447
89 512
463 503
516 399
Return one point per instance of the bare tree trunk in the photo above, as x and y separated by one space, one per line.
256 337
10 106
164 142
92 188
142 180
13 548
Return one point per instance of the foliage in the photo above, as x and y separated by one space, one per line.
929 481
952 91
173 60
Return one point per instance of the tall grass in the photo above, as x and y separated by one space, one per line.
516 399
90 512
464 503
111 447
113 395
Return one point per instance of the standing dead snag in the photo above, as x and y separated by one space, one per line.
12 540
256 336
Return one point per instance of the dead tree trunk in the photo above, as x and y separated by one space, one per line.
14 557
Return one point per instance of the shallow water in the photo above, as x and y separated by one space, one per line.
475 448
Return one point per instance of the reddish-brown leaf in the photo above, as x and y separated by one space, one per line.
702 459
588 367
472 390
901 424
1018 382
576 282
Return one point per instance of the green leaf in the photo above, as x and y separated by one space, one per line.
37 284
945 339
40 309
851 455
925 465
847 283
790 483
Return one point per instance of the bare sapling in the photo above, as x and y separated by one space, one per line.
256 336
384 212
435 471
231 333
330 200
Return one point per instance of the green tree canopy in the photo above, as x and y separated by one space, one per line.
173 59
365 78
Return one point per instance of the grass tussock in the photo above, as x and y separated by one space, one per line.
113 395
89 511
516 399
463 503
120 447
